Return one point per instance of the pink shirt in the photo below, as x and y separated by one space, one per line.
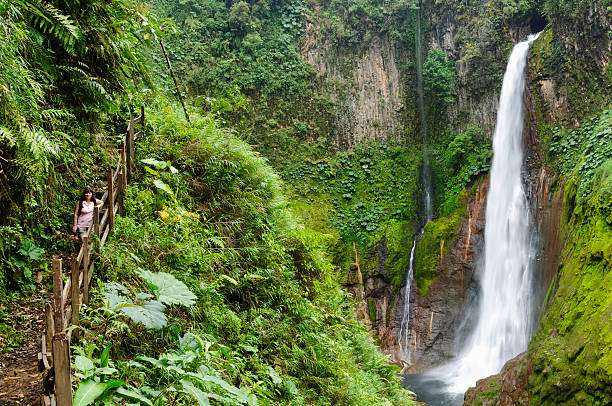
86 216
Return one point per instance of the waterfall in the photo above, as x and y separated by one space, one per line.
404 333
404 336
421 102
504 325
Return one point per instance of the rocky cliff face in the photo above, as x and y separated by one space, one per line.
436 318
568 360
569 78
366 87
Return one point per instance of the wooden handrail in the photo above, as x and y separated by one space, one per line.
54 357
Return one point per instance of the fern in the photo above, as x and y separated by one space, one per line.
35 151
55 114
7 136
51 21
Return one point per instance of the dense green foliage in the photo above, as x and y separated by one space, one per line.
438 236
269 324
573 339
62 65
210 289
439 77
584 150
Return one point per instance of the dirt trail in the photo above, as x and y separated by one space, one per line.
20 380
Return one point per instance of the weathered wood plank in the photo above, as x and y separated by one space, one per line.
76 303
111 198
50 330
85 270
104 236
61 367
58 311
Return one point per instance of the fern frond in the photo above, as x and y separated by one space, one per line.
94 87
51 21
8 136
55 114
72 69
39 145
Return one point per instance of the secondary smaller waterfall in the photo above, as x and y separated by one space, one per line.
404 336
404 333
421 101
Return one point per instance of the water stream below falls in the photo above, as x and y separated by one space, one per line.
504 314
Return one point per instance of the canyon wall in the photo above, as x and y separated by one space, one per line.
364 84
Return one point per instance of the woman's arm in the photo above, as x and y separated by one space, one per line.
99 202
76 218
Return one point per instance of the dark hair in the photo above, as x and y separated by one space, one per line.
82 198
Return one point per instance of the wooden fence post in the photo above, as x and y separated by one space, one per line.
61 367
85 271
130 148
50 331
142 120
96 226
123 167
111 200
120 189
129 138
58 312
96 221
76 299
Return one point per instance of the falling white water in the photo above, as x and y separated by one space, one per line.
421 103
404 335
504 326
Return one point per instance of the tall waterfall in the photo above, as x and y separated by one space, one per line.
504 323
404 333
421 101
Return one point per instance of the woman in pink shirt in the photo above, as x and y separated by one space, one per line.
83 215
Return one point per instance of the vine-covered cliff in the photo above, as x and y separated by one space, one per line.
327 92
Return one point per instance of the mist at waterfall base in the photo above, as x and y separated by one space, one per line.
503 324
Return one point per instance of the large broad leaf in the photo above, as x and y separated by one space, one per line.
240 395
168 289
90 390
104 356
197 394
154 162
163 186
149 313
30 250
83 364
134 394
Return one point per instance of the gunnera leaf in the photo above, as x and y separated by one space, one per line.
168 289
148 312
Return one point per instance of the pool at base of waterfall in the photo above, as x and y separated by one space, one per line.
431 390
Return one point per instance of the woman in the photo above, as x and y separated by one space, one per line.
83 215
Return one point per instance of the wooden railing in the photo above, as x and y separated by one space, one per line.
54 356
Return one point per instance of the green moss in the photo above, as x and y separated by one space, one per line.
316 209
572 349
398 237
372 310
493 392
437 232
485 397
